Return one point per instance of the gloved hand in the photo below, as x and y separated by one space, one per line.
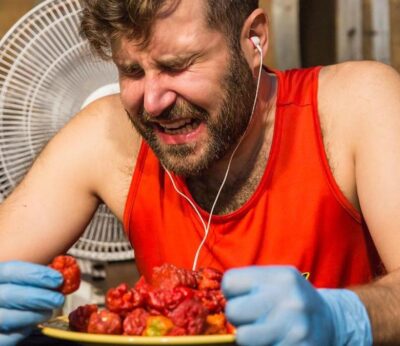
26 298
275 305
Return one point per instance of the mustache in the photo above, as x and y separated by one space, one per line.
180 109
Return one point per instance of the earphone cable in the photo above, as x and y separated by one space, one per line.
185 197
206 230
207 227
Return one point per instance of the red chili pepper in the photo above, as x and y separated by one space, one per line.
122 299
105 322
135 322
79 318
70 271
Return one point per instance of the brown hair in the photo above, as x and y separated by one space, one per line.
106 21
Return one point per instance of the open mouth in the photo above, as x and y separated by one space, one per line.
180 127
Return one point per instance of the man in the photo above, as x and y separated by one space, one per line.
308 179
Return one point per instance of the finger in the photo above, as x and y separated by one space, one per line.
13 338
25 273
29 298
242 280
249 308
13 320
276 328
254 334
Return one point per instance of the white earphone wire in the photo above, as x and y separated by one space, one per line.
185 197
207 227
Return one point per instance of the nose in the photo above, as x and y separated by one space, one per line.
158 95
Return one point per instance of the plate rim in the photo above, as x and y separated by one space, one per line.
107 339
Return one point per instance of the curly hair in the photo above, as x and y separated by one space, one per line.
104 22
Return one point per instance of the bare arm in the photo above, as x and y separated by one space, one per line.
51 207
371 102
382 302
378 185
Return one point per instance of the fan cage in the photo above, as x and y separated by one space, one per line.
47 71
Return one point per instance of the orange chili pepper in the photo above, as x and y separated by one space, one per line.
157 326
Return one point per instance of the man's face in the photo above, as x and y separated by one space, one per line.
194 115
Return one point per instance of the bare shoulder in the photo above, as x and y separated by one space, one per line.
111 127
358 95
113 146
354 97
358 85
355 70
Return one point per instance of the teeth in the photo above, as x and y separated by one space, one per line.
176 125
190 126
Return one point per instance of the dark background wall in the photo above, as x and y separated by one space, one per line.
317 32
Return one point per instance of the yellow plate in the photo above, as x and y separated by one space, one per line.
58 328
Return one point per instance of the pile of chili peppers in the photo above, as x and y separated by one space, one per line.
175 302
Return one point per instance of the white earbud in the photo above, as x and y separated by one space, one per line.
256 41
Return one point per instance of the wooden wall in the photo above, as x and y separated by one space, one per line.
395 33
11 11
317 36
329 31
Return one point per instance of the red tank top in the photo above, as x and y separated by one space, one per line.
297 215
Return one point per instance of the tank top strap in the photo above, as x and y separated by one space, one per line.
297 86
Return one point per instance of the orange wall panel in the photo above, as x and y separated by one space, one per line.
11 11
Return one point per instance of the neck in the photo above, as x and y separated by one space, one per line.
253 150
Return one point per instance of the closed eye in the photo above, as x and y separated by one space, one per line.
177 65
174 69
133 71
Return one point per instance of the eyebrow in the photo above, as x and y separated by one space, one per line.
169 62
177 61
127 68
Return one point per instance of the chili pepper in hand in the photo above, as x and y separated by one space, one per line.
70 271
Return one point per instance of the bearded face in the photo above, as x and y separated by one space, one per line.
223 127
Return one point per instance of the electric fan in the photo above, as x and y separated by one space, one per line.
47 74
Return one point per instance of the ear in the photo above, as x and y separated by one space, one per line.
255 25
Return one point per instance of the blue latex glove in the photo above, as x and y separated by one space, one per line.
275 305
26 298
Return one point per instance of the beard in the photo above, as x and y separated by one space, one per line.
224 129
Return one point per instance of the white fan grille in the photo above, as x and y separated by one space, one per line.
46 73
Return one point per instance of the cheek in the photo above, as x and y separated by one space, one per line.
131 95
203 92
